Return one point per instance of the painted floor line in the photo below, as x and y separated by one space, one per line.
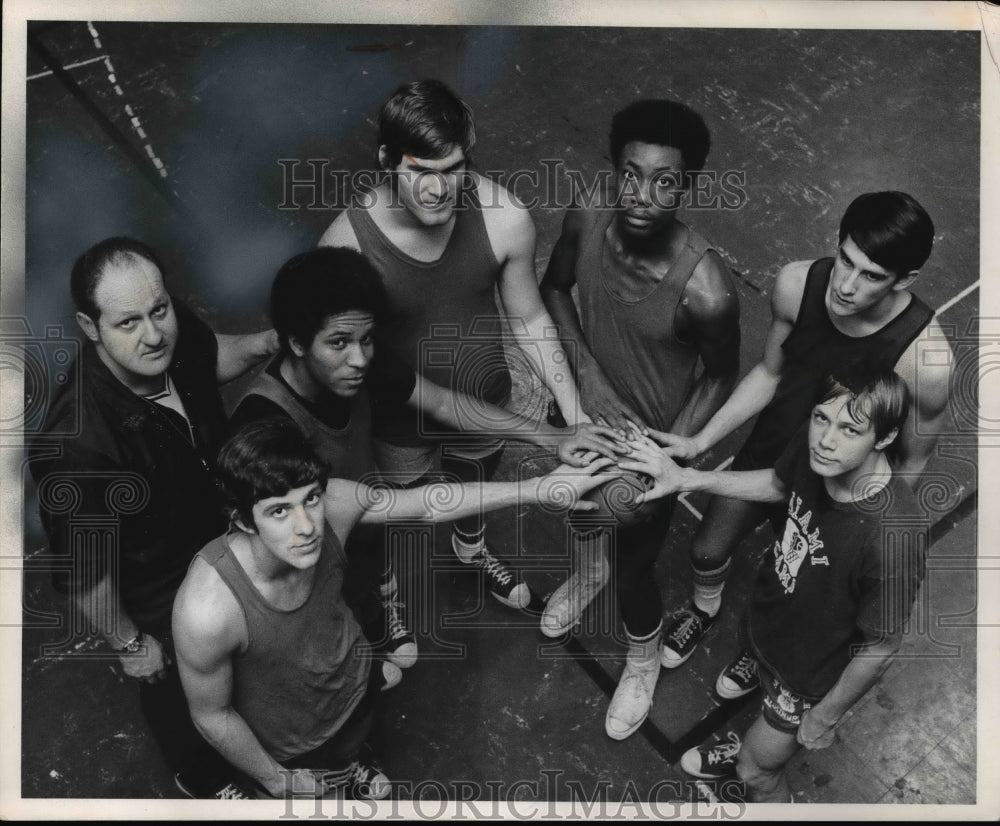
76 65
951 303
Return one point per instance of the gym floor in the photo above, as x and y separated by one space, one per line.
185 135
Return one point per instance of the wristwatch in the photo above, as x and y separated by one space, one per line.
133 645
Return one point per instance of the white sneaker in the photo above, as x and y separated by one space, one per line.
568 601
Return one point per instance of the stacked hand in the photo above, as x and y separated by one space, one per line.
587 439
603 405
563 487
679 447
646 456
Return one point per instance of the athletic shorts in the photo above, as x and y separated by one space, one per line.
782 707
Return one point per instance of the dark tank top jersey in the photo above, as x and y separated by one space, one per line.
634 338
305 670
348 450
815 349
442 319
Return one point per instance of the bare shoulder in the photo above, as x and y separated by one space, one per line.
508 221
789 285
710 292
340 233
928 362
205 610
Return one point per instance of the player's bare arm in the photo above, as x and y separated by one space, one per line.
467 414
600 402
758 386
512 235
709 315
646 456
348 503
926 367
816 730
209 630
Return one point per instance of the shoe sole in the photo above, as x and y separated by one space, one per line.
402 658
675 663
697 772
521 603
729 694
623 735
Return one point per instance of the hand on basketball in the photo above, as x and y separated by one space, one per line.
149 665
645 456
563 487
600 401
679 447
813 733
586 439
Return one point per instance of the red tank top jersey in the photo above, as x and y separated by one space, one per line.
634 340
815 349
443 319
304 671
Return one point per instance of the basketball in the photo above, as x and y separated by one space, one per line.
618 496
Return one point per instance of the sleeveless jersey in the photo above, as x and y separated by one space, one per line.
442 319
304 670
347 450
815 349
634 340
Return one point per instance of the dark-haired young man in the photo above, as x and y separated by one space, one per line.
327 306
445 240
274 664
144 414
835 589
655 300
853 312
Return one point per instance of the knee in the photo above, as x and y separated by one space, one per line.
756 777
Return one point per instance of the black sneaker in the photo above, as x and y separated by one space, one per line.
365 778
683 635
738 678
401 646
228 792
713 762
502 582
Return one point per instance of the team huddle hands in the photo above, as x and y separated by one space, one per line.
272 491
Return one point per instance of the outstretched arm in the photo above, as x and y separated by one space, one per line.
470 415
530 323
598 398
350 502
668 477
757 387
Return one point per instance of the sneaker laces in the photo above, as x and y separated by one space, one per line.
397 628
745 668
361 775
724 751
495 569
683 632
